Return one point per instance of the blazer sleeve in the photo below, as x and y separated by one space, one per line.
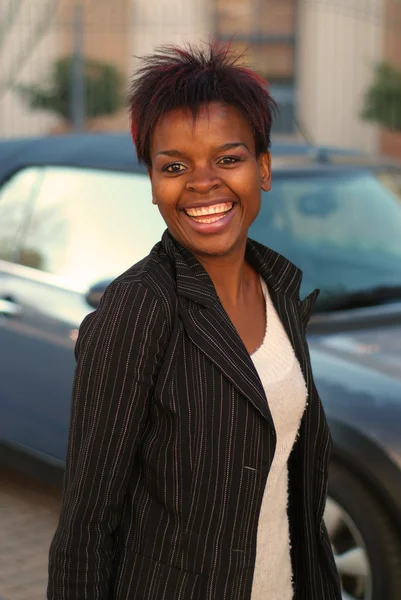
119 353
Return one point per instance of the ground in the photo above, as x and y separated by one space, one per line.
28 517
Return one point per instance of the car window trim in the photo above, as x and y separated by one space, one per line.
24 272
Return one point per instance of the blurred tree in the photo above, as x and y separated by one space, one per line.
103 89
382 102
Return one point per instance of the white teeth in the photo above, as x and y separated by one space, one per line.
210 219
209 210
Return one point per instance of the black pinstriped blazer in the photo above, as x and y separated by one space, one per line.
168 411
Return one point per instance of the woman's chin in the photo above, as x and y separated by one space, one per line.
217 245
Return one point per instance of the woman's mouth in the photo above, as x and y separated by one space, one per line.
209 214
212 219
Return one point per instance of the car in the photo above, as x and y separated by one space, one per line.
75 212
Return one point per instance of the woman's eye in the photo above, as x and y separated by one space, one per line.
228 160
174 168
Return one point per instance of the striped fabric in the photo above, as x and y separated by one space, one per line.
171 443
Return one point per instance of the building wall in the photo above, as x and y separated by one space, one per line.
112 31
265 30
338 45
106 36
392 35
158 22
28 47
390 141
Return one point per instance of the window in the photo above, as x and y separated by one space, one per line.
90 225
284 94
16 198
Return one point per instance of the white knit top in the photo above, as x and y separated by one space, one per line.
286 393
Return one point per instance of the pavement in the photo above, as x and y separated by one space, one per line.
28 518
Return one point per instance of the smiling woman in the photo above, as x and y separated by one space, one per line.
198 450
208 189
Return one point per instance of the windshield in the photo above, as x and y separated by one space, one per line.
343 230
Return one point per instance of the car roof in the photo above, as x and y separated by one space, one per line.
102 151
115 151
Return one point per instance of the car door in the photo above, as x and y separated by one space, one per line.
17 197
39 318
86 225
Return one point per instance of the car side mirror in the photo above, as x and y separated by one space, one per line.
96 291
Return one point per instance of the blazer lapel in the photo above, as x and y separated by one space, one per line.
211 330
209 327
307 305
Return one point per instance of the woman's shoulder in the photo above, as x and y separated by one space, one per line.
143 299
154 275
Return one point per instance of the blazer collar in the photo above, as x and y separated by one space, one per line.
211 330
194 283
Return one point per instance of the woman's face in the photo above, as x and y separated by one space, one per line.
206 178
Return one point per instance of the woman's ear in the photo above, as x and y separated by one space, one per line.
265 171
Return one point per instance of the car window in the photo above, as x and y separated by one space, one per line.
88 225
342 230
16 197
344 212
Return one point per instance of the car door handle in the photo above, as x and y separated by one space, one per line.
10 308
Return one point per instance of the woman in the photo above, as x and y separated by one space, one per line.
198 451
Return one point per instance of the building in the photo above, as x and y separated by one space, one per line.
338 46
317 55
267 30
390 142
35 37
28 43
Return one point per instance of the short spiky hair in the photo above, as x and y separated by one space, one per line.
190 77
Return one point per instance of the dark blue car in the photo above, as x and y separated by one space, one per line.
75 212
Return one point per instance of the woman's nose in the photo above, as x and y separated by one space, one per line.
203 181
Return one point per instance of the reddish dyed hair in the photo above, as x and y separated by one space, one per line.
189 77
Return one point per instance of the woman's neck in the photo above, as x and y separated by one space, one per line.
231 275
